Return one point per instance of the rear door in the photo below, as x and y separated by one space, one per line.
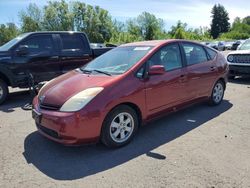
75 51
42 59
201 70
169 89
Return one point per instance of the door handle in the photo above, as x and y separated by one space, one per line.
212 68
54 57
182 78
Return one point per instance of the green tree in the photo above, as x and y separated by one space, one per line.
31 19
57 17
180 34
174 28
146 26
220 21
7 32
95 21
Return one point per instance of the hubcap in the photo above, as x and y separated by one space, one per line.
218 92
122 127
1 92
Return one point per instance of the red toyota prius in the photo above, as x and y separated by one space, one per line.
112 96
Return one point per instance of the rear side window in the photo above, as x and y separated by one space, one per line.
211 53
194 53
72 43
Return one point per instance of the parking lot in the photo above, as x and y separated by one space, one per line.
200 146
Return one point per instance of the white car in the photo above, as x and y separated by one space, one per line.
239 61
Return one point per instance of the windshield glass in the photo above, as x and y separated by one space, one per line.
118 60
245 45
12 42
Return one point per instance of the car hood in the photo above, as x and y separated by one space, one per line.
240 52
59 90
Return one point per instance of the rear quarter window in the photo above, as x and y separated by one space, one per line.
211 53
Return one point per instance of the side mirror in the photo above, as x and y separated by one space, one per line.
156 70
22 50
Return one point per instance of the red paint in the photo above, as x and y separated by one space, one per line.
154 96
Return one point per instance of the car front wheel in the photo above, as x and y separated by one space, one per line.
119 126
217 93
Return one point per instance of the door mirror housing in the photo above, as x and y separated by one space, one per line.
156 70
22 50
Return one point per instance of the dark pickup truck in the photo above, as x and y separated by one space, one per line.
45 55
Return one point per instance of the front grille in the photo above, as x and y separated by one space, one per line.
48 131
49 107
242 58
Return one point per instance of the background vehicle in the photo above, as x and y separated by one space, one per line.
45 55
109 98
218 45
239 60
228 45
236 44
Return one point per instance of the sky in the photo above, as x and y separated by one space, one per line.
195 13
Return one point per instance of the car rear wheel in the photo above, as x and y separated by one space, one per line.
119 126
217 93
3 91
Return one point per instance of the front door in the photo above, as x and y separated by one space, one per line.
169 89
41 59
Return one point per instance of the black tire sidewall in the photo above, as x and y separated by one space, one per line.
4 87
105 133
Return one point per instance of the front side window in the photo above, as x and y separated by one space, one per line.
39 44
194 53
118 60
168 56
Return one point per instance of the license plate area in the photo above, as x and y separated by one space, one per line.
36 116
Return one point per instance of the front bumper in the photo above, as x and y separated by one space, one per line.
72 128
237 70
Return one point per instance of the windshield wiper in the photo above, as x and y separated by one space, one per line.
102 72
86 71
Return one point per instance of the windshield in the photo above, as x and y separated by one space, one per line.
245 45
118 60
12 42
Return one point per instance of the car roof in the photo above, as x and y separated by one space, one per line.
155 43
55 32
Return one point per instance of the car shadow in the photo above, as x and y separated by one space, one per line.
70 163
15 100
244 80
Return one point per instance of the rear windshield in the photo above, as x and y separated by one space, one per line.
118 60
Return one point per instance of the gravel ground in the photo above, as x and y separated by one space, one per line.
200 146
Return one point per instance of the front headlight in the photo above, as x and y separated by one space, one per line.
78 101
230 58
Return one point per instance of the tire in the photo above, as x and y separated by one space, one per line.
119 127
3 91
217 93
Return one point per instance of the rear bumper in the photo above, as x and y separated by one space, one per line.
237 70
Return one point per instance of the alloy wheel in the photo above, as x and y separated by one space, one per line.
218 92
122 127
